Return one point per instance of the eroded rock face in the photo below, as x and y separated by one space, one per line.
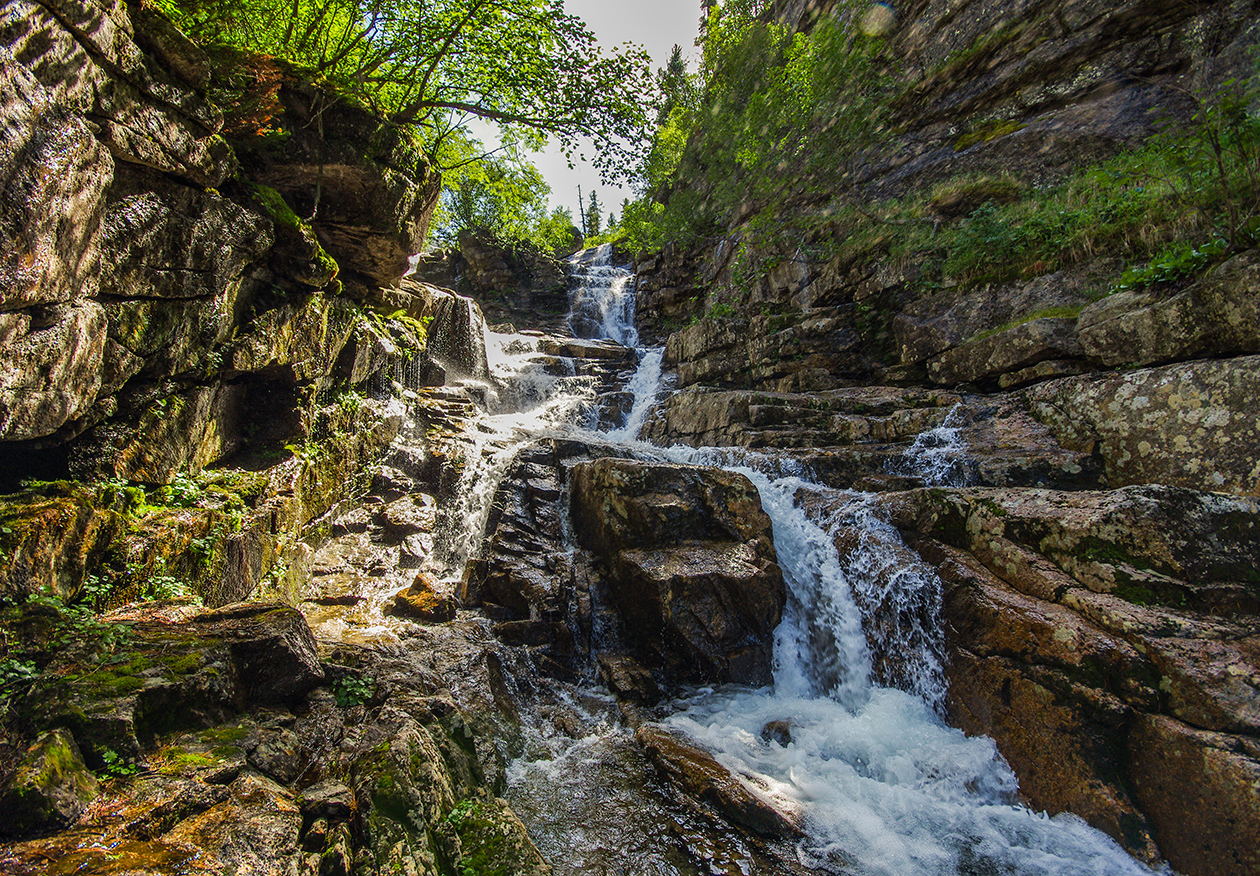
692 560
51 366
1107 641
1192 424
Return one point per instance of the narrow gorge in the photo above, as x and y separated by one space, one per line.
753 553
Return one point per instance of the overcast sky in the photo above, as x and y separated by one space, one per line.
656 25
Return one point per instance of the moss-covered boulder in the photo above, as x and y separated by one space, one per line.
50 788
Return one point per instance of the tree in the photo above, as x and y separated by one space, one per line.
526 65
593 211
673 85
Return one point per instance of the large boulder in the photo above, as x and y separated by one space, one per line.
691 555
1217 315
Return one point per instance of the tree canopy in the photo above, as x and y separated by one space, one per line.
526 65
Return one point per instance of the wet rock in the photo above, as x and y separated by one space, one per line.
422 600
779 732
697 775
1203 792
691 557
628 679
408 516
256 827
1190 424
49 789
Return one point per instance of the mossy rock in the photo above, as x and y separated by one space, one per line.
493 842
50 788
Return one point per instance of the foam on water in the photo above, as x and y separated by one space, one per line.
881 786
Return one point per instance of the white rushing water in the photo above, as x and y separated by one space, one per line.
877 780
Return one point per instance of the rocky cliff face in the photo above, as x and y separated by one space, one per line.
1099 623
204 335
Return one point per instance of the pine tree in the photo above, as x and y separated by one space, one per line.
593 215
673 84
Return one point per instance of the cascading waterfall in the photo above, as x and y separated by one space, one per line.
880 783
937 456
601 301
876 779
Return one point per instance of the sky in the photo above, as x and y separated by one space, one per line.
656 25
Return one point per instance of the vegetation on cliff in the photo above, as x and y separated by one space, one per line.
785 139
526 66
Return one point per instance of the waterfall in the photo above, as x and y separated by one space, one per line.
879 784
937 456
457 338
882 786
601 298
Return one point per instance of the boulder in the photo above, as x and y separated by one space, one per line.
49 789
1218 315
697 775
369 191
271 645
421 600
691 557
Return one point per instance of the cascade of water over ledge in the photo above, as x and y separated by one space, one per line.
863 761
857 754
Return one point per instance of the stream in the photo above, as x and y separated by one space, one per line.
862 761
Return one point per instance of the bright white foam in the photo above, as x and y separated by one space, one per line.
889 790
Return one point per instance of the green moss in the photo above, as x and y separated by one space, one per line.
987 131
1068 312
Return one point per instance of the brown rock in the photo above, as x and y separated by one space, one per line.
421 600
1202 791
697 775
628 679
691 556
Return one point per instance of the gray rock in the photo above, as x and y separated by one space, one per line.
1216 316
1193 424
49 375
